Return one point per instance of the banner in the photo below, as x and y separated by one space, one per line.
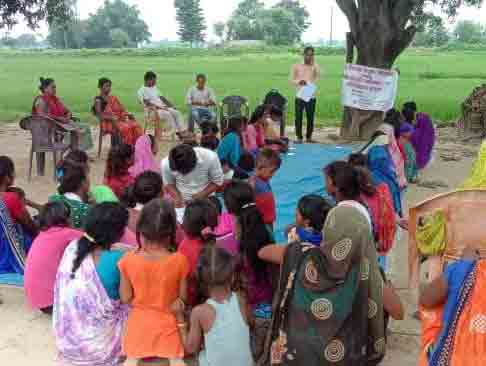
369 88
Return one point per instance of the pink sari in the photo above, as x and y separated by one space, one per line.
395 153
144 158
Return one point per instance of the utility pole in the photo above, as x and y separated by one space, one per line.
332 19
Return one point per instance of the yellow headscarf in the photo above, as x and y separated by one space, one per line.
477 178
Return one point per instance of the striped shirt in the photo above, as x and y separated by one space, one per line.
208 170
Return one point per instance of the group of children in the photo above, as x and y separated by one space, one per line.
201 283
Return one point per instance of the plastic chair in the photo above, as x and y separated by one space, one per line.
47 135
276 99
233 106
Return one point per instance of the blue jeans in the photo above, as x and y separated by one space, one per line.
199 115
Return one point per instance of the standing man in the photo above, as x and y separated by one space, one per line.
199 98
304 77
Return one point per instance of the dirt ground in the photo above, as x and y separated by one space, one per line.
26 336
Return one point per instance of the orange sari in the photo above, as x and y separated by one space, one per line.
455 333
128 128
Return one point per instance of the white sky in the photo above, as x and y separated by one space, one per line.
160 17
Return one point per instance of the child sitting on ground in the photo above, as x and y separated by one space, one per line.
250 137
152 280
200 221
267 164
273 139
256 275
117 175
222 322
310 216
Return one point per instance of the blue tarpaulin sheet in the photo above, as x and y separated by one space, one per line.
301 174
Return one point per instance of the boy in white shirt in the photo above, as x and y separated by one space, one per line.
149 95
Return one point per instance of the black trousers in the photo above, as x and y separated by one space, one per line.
310 111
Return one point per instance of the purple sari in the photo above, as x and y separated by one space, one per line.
423 140
88 325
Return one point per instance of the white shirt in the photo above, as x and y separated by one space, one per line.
152 94
195 95
208 170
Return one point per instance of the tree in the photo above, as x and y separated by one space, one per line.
380 30
26 41
433 34
249 9
467 31
219 28
68 35
244 23
115 15
191 21
283 24
300 13
279 27
32 11
119 38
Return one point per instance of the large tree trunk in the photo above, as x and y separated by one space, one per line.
379 33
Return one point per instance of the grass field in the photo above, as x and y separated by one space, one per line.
438 82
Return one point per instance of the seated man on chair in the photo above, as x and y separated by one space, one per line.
149 95
199 98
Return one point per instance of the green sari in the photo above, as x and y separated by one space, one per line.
79 210
328 309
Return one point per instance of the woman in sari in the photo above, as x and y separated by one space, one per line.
49 105
423 140
329 307
452 314
145 152
391 121
88 318
115 119
17 229
379 202
381 167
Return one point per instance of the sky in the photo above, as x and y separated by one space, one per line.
160 17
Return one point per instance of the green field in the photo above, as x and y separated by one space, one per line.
437 81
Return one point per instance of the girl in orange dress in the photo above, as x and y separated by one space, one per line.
152 281
115 119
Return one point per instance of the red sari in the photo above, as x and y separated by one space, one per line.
55 107
129 128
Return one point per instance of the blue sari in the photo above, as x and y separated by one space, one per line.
13 244
382 169
460 278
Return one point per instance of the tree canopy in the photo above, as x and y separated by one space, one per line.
32 11
433 34
467 31
116 24
282 24
191 21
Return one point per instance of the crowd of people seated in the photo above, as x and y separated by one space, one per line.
170 259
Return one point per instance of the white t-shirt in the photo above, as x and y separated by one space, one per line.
195 95
208 170
152 94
